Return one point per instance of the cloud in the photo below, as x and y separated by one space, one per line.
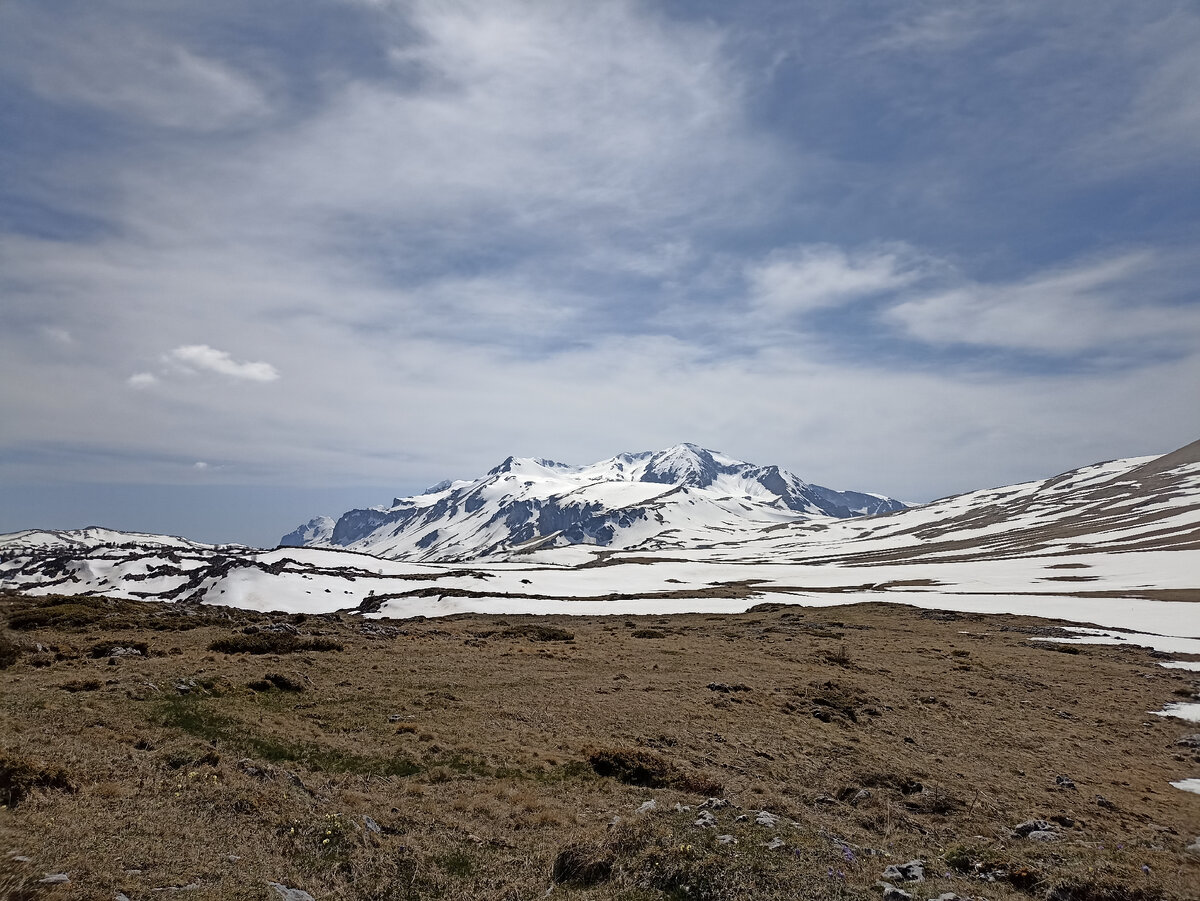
200 465
121 67
572 229
808 278
1098 306
203 357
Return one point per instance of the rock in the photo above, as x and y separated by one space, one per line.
648 806
1043 835
775 844
825 799
913 871
891 893
1189 741
680 808
372 825
298 782
726 840
705 821
766 818
716 804
291 894
55 879
1023 829
1063 820
124 652
121 896
946 896
247 766
1064 782
1194 847
1102 801
861 795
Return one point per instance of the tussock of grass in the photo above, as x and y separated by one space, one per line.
272 643
276 680
582 863
9 651
636 766
648 633
58 613
537 633
19 776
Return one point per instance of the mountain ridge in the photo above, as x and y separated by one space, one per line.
527 502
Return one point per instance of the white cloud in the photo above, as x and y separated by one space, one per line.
395 245
203 357
1094 306
200 464
808 278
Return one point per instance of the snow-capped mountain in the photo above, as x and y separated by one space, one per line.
684 496
317 530
1115 545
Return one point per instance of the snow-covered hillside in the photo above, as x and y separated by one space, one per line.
1115 545
681 497
90 538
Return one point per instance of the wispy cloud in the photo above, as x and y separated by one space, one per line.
1096 306
191 357
130 71
808 278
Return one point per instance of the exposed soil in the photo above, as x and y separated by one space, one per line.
499 757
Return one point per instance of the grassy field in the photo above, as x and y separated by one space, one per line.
149 747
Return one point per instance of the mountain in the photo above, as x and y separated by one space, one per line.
317 530
684 496
1114 545
1136 504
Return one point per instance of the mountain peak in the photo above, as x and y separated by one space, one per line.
626 500
683 464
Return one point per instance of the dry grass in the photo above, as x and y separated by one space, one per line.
458 758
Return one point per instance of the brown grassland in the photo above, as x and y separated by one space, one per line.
149 749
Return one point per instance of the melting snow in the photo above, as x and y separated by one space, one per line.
1181 711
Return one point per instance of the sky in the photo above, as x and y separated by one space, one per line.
262 260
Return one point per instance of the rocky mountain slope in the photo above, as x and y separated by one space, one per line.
681 497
